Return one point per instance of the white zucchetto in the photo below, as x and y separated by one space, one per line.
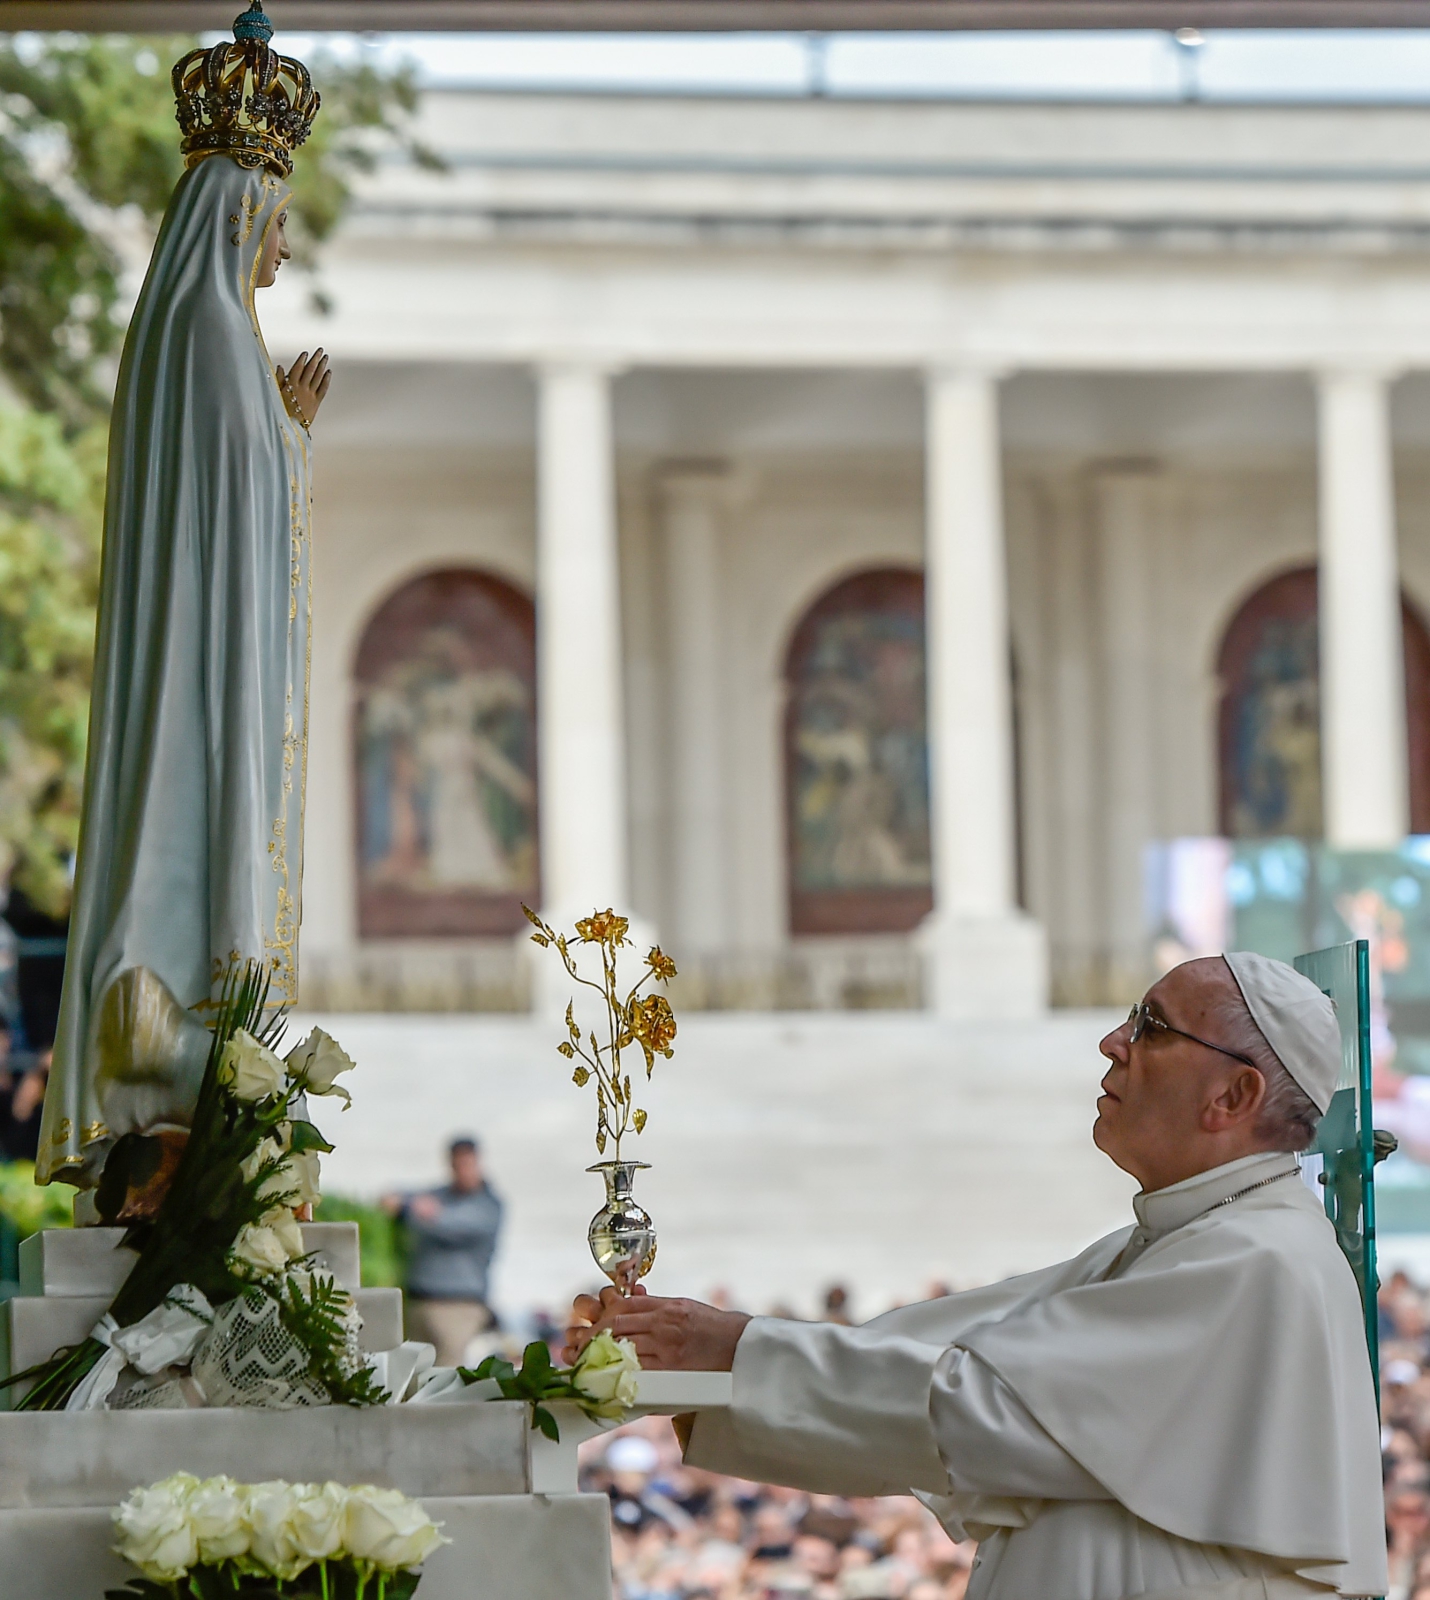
1299 1021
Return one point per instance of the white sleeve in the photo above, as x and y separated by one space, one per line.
860 1411
828 1409
992 1444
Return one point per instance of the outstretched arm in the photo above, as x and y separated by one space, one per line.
835 1410
829 1409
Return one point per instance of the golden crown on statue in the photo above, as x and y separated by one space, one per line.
244 100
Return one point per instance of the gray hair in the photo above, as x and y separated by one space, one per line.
1288 1116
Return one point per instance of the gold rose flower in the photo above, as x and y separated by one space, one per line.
636 1018
603 927
653 1026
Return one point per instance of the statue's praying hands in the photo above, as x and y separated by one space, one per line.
669 1335
305 384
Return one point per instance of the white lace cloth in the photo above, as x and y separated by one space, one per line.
241 1355
251 1359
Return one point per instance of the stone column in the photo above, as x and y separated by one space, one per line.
985 958
691 507
1130 613
1365 782
580 691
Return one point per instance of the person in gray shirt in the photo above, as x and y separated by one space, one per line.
452 1235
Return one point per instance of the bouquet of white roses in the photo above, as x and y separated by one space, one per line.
305 1541
225 1245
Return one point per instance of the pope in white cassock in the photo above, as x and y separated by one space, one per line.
1184 1410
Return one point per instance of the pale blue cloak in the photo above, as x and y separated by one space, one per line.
191 834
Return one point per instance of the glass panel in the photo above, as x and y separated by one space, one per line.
1341 1162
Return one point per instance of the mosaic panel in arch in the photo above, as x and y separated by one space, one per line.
1270 719
856 759
445 736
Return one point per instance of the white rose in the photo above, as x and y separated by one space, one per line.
283 1184
284 1227
272 1538
154 1529
304 1175
249 1069
317 1061
318 1518
607 1373
385 1527
259 1250
264 1151
217 1510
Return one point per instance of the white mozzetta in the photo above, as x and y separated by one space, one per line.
88 1261
503 1548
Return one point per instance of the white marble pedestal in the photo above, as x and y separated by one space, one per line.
506 1496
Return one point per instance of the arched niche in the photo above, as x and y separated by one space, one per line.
444 738
856 759
1269 724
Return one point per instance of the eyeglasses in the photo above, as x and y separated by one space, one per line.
1143 1017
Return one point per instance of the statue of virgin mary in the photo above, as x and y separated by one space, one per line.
191 833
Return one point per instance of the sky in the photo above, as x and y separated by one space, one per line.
1366 66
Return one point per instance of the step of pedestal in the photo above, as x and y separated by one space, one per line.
74 1261
33 1327
505 1547
87 1261
89 1458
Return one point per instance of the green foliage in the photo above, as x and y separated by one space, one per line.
325 1580
26 1206
207 1204
536 1380
105 107
384 1255
89 150
316 1320
50 488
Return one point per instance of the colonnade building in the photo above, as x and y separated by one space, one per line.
846 534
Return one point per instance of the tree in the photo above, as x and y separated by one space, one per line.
88 149
49 549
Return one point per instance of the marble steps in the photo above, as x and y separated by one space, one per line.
505 1547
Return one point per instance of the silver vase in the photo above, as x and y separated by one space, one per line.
621 1235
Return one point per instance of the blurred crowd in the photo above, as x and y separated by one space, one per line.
1405 1434
681 1534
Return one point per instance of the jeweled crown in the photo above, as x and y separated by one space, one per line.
244 100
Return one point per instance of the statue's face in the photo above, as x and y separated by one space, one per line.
275 252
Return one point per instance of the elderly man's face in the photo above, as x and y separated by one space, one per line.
1171 1107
